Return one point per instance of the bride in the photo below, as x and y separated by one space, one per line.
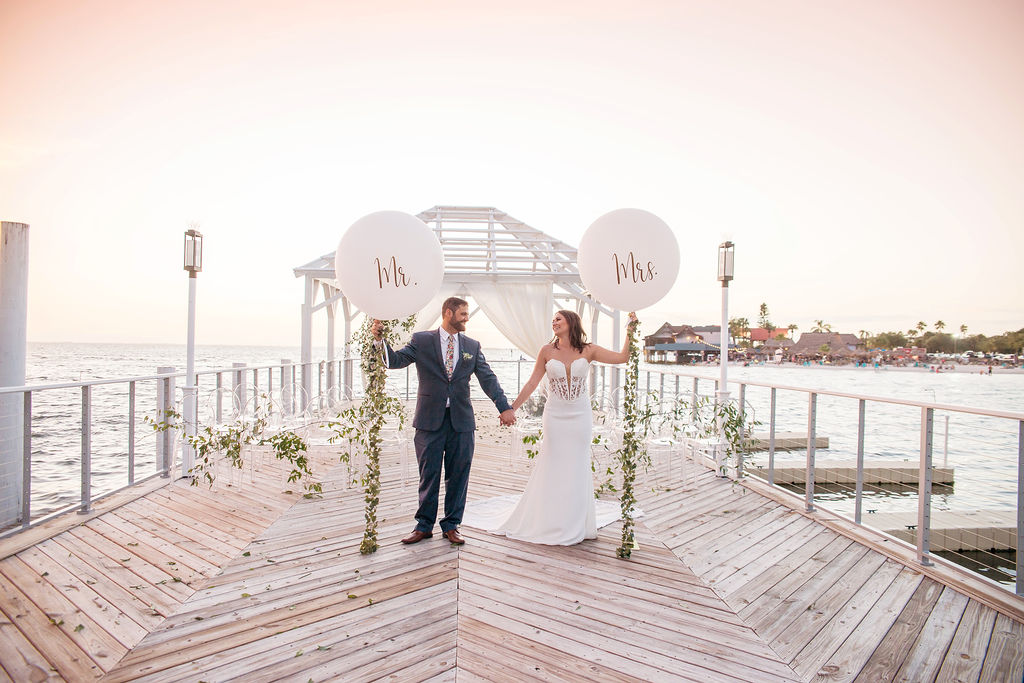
557 506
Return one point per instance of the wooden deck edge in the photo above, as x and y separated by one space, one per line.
69 520
943 571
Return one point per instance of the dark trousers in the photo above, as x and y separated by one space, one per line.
454 450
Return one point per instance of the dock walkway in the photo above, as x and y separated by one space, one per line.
250 582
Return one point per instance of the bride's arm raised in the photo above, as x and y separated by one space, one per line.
600 354
535 378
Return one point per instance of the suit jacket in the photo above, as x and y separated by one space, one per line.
435 389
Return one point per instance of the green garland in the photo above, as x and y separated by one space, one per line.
362 424
231 438
632 450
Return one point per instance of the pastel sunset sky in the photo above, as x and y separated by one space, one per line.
866 158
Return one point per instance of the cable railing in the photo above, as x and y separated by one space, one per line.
944 479
105 429
947 480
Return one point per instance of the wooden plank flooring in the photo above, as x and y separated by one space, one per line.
830 608
250 582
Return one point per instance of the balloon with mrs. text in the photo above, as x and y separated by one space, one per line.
389 264
628 259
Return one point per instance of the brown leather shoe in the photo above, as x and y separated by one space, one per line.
416 536
454 536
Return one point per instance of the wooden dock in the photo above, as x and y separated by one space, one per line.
954 530
248 582
844 472
786 441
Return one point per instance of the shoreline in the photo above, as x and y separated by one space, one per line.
929 368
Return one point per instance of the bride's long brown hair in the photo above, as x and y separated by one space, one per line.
577 337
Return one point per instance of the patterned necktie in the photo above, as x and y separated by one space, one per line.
449 358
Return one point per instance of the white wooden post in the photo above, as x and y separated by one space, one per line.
616 345
13 328
347 390
238 387
307 334
332 381
164 403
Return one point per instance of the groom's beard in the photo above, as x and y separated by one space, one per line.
459 326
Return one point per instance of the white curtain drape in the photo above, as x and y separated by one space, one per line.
521 312
430 316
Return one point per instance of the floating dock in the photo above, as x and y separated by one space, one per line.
786 441
843 472
953 530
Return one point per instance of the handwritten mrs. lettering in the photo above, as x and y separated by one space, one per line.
630 269
391 274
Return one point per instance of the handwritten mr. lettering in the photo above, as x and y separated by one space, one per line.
631 269
391 274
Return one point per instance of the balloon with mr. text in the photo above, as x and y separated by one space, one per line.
628 259
389 264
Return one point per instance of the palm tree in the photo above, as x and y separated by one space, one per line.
911 334
863 334
963 330
821 326
940 325
792 328
922 326
739 327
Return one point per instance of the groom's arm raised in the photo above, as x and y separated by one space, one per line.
393 359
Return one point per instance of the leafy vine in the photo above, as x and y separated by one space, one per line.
361 425
632 451
230 439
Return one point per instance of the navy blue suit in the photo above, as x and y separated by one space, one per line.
445 435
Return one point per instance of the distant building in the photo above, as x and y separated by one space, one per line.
810 343
683 343
910 352
760 335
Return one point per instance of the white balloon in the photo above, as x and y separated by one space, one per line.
628 259
389 264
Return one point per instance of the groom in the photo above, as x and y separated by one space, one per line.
444 421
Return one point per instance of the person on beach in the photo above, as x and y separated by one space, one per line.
557 507
445 426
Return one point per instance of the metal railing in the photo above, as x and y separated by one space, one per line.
987 449
993 438
46 414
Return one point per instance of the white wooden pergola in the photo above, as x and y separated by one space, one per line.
480 244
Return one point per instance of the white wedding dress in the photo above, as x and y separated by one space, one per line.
557 506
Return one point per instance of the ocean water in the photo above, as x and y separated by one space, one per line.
983 450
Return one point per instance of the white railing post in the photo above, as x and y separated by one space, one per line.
164 406
86 449
131 432
287 399
1020 507
859 497
238 387
26 460
812 408
771 438
693 400
924 492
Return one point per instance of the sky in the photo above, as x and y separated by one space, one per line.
866 158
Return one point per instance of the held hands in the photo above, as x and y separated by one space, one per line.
377 329
507 417
633 321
